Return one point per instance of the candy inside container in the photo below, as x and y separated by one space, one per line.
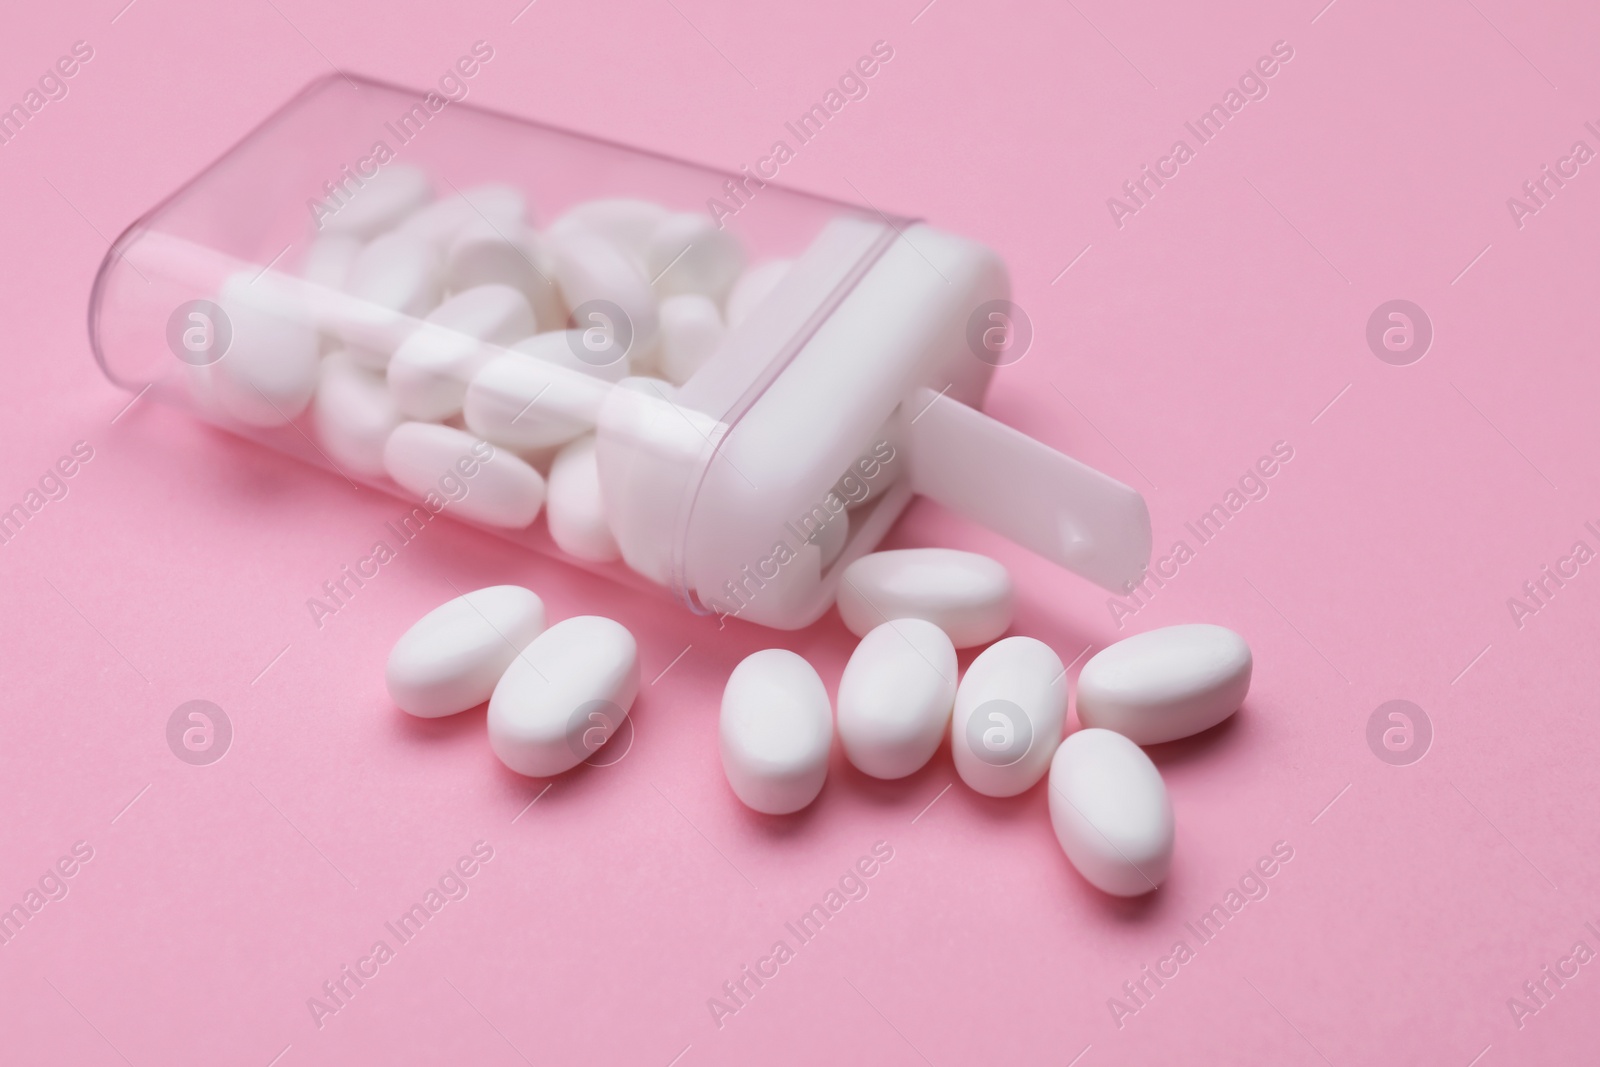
563 341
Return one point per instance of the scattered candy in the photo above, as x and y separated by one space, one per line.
564 696
895 697
596 347
1165 684
452 658
1009 710
966 595
1110 811
775 729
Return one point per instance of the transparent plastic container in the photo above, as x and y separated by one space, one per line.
591 350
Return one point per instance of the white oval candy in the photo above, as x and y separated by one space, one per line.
567 348
590 268
775 729
379 202
399 272
753 287
503 404
396 276
966 595
442 220
541 287
689 254
1165 684
691 329
574 510
330 258
895 697
493 312
492 250
628 224
527 401
468 476
268 372
354 414
430 370
564 696
1111 813
486 252
451 659
1009 710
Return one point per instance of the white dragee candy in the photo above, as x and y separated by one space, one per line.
627 223
775 729
689 254
354 414
540 395
379 202
268 372
396 276
470 476
486 251
567 348
330 259
503 404
966 595
451 659
895 697
544 292
574 510
691 329
564 696
1111 812
442 220
589 267
431 369
753 287
1009 710
1165 684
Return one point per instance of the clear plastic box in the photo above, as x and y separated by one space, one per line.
282 295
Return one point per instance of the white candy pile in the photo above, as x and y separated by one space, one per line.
556 695
899 694
436 340
453 347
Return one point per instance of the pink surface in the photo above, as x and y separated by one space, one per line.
1224 316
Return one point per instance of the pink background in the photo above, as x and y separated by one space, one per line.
1222 318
